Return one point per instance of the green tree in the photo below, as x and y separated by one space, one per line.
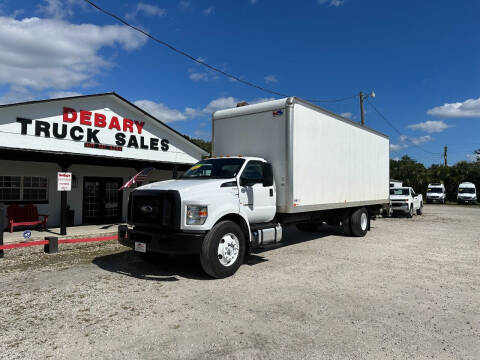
204 144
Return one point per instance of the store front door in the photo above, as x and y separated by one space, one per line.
102 202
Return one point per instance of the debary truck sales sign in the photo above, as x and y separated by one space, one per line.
100 125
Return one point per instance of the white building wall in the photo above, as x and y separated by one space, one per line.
74 197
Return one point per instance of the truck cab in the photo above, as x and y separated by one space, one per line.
436 193
215 202
467 193
404 200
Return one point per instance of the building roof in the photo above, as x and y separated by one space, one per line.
107 94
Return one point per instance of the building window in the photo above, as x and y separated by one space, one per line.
24 188
10 188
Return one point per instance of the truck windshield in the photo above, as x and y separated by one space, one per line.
435 190
466 190
399 192
214 169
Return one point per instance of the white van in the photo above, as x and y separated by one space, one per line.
467 193
395 183
436 193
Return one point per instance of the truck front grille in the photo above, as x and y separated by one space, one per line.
155 208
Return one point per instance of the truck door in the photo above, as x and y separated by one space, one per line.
416 200
257 192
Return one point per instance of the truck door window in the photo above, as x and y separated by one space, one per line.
253 173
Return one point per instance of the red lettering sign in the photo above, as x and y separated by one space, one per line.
85 117
69 115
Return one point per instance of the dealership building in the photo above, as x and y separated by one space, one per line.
101 139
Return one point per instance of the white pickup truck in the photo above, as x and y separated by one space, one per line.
404 200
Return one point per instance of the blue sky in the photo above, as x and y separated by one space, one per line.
422 59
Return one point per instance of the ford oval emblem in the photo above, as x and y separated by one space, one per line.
147 209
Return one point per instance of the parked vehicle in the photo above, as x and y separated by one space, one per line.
395 183
467 193
299 165
404 200
436 193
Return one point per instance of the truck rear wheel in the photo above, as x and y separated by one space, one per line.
223 250
359 222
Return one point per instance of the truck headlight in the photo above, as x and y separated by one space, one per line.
196 214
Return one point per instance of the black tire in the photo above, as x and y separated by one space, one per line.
209 257
429 201
347 230
420 210
307 227
359 227
410 213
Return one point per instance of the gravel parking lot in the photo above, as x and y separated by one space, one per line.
409 289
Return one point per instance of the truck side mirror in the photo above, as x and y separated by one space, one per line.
267 175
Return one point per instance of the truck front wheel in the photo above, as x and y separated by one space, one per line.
359 222
223 250
410 212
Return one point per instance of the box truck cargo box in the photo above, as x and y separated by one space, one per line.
320 160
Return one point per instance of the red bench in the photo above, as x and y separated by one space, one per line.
25 216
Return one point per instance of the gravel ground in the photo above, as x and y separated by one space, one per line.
409 290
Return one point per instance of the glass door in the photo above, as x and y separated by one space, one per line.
102 202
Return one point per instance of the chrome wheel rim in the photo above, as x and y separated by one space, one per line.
364 221
228 249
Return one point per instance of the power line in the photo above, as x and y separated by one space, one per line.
203 63
399 133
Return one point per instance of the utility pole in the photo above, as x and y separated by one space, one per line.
362 114
362 97
445 148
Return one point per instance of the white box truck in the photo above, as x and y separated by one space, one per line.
277 163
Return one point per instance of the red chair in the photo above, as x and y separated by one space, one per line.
26 216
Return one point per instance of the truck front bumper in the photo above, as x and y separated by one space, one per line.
179 242
466 201
400 208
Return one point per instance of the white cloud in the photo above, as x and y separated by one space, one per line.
334 3
59 9
253 2
166 114
202 134
185 4
220 104
61 94
16 94
270 79
396 158
160 111
430 126
347 114
197 76
473 157
397 147
402 138
468 108
48 53
147 9
421 139
208 11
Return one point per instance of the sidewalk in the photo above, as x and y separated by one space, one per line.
80 231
